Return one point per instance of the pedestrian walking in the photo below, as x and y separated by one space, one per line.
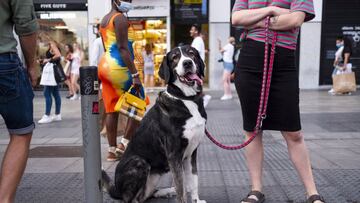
16 95
76 61
117 72
148 58
227 59
199 45
53 58
97 49
342 59
69 50
283 103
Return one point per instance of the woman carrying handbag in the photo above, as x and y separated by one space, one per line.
117 72
283 19
51 87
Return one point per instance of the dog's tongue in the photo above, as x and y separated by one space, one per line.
195 77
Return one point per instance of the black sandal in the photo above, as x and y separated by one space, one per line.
260 196
314 198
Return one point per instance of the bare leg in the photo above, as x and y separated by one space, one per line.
102 114
13 166
74 82
254 154
300 157
68 83
226 81
111 127
146 80
131 127
151 80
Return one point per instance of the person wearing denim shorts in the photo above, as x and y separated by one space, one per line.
227 52
16 94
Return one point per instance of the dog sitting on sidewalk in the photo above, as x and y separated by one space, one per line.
168 136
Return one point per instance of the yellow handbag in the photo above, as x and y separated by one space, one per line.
131 106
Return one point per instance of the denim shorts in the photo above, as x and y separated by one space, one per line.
16 95
229 67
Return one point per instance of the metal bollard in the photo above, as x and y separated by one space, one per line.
89 87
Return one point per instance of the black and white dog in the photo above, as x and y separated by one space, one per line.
168 136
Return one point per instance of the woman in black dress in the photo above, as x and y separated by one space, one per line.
283 105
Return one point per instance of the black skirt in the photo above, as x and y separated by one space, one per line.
283 105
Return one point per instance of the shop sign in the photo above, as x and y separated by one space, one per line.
157 8
48 5
189 11
353 32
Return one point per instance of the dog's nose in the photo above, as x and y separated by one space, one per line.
187 64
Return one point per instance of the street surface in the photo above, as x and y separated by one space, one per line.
331 126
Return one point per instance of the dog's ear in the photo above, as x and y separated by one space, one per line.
200 63
165 70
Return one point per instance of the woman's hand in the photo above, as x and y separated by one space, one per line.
45 61
136 83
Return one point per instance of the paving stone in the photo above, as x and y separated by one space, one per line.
321 162
331 127
232 161
242 178
63 141
5 141
211 178
56 151
213 194
346 159
346 181
53 165
39 141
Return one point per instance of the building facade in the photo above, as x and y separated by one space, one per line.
166 23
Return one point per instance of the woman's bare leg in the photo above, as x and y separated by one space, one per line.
300 157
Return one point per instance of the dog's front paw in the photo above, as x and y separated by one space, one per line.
198 201
165 193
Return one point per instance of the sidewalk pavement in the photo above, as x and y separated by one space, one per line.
331 126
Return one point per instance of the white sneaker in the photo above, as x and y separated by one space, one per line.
56 117
45 119
75 97
226 97
206 99
332 91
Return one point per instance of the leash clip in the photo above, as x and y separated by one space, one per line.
263 117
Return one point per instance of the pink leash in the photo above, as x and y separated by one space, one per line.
265 90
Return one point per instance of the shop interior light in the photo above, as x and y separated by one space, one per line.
155 21
57 16
61 27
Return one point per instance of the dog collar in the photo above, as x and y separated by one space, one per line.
168 94
171 96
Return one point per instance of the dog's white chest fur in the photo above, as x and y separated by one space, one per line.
194 129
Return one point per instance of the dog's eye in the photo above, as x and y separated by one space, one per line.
191 53
173 56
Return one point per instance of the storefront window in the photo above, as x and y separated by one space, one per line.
152 32
64 28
